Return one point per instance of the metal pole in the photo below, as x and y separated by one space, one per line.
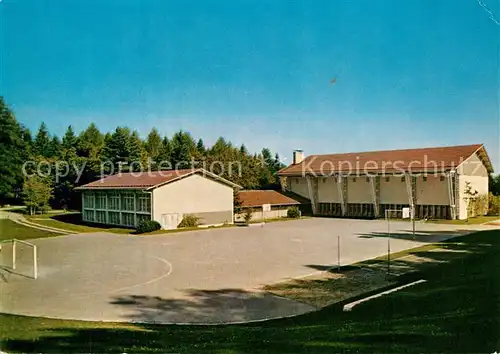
14 254
388 244
338 252
412 211
35 264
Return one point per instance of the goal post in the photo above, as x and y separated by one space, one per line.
15 246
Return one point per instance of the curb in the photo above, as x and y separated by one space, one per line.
24 222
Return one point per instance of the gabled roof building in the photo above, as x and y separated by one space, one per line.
434 182
165 196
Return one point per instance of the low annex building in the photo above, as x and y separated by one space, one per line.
277 202
438 182
165 196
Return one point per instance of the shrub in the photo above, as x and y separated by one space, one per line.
147 226
293 212
248 215
236 201
481 205
44 209
189 220
494 204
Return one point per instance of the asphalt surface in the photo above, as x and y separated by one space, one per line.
206 276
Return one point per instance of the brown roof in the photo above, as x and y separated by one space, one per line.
255 198
148 179
426 159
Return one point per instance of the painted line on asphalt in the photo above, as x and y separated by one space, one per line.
349 306
170 270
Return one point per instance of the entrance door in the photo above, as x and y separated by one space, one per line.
170 221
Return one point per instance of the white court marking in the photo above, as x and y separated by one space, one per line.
350 305
171 268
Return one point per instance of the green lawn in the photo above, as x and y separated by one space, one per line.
457 310
72 221
9 229
471 221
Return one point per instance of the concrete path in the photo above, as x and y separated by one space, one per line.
208 276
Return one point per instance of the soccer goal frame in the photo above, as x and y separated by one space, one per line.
15 243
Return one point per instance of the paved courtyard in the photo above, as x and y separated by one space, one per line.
206 276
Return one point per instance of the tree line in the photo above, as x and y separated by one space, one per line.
95 152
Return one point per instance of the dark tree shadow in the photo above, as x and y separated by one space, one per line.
333 268
5 274
76 219
208 306
420 236
446 251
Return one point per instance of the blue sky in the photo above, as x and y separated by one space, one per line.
410 73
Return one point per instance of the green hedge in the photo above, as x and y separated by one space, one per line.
293 213
189 220
147 226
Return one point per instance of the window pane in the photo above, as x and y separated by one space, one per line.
128 201
128 219
144 203
101 216
114 217
114 201
100 201
88 215
88 200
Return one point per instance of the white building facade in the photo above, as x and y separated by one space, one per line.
432 181
167 196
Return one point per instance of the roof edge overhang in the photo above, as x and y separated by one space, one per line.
83 188
480 150
367 173
198 171
483 156
272 204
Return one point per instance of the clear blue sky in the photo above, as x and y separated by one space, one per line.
410 73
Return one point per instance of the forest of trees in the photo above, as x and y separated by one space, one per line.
122 148
81 157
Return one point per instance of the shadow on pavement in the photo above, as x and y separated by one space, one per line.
208 306
6 272
420 236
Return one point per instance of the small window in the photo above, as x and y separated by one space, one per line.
114 201
424 178
368 179
114 217
324 180
387 179
402 179
354 179
128 219
100 216
441 178
88 215
144 203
